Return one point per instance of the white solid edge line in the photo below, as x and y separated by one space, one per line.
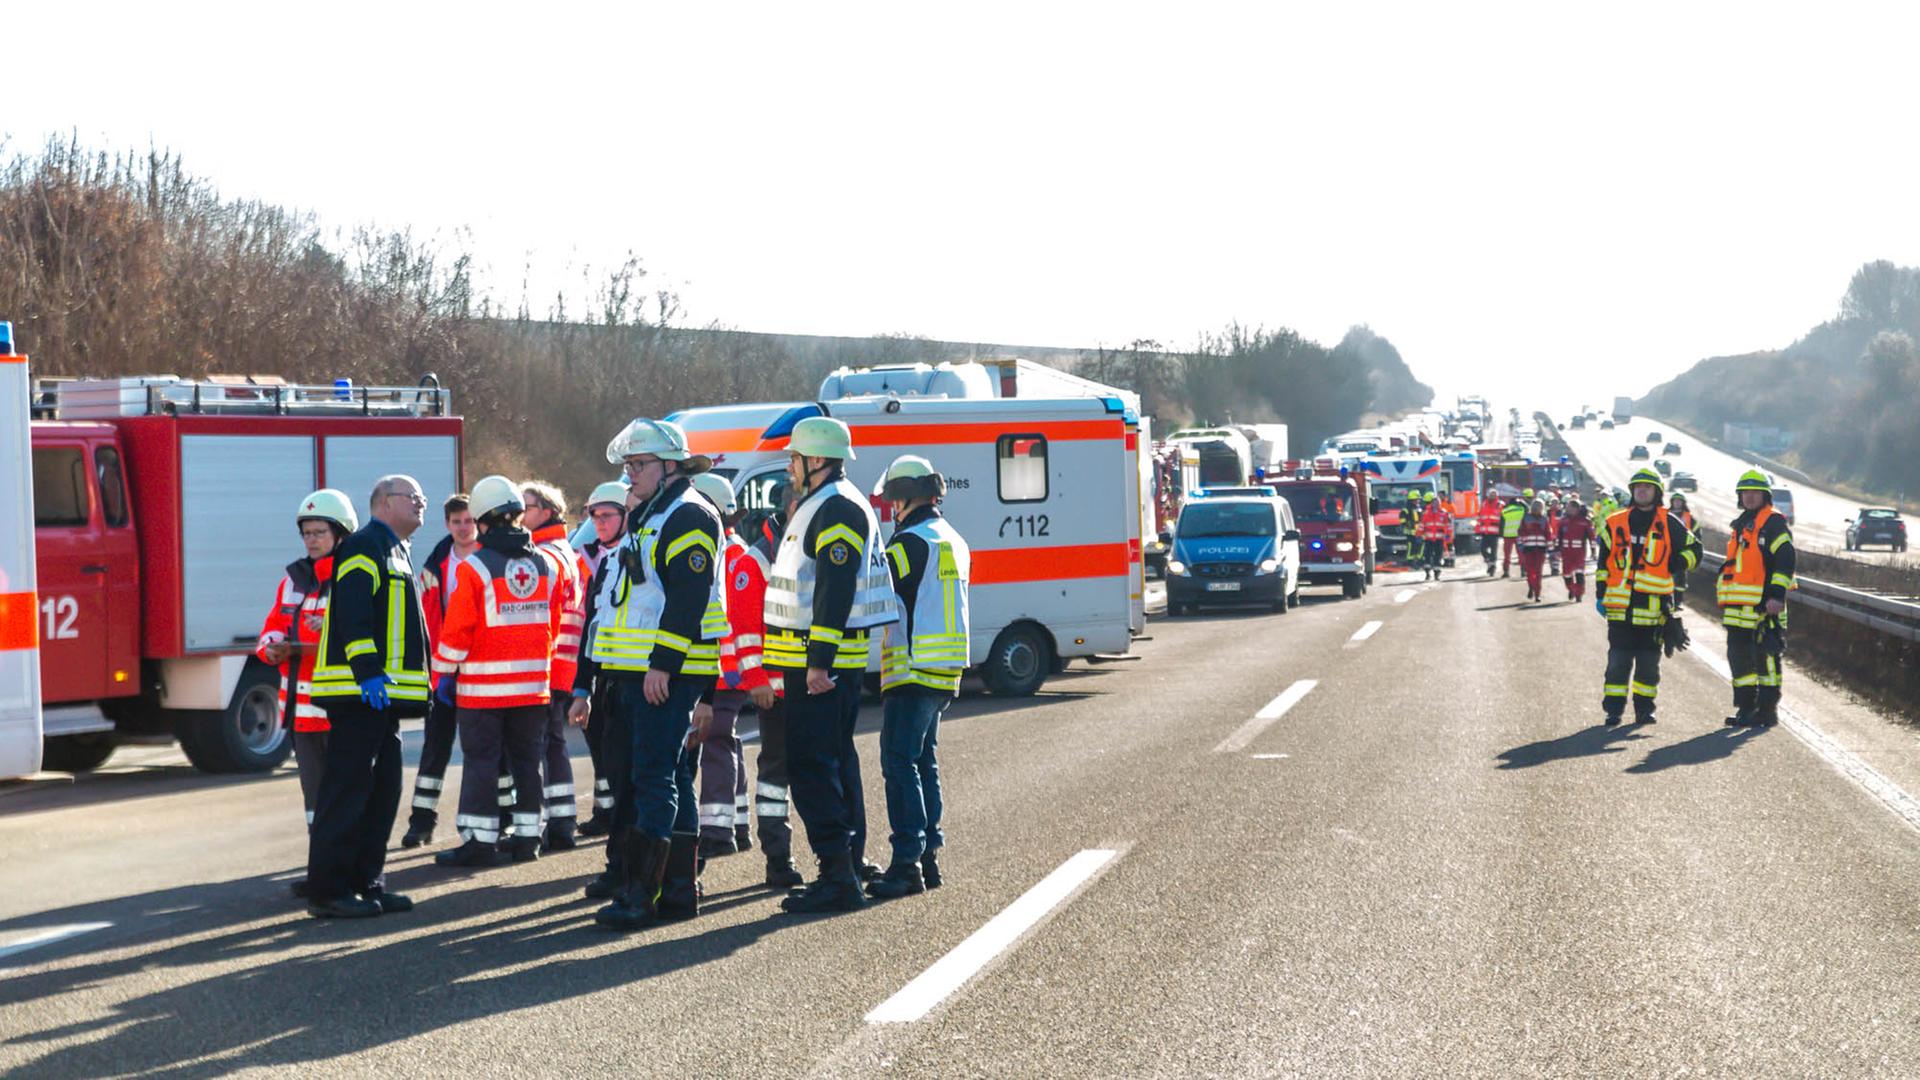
1405 595
1366 631
952 971
51 935
1890 795
1271 711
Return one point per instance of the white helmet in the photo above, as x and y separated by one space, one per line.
822 436
494 493
911 477
328 504
717 491
663 439
613 492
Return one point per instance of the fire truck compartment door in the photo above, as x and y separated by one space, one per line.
200 682
355 462
237 532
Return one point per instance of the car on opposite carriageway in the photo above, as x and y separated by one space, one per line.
1876 525
1234 550
1638 453
1683 481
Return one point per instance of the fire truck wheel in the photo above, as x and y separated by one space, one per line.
77 753
1352 586
249 735
1018 662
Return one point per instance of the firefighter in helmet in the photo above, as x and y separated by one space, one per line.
1645 554
1752 593
292 631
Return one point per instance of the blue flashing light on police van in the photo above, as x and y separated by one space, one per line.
6 339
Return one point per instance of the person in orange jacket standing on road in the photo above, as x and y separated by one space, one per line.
1534 541
546 520
1436 531
1574 541
492 662
1487 527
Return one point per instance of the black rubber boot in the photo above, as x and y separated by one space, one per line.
716 844
1740 718
1768 716
473 853
782 874
636 906
419 829
901 879
525 848
866 871
559 835
742 838
836 889
930 869
597 825
1612 720
680 889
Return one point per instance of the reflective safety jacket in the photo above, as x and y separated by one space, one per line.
1436 524
829 587
503 614
1576 535
1644 559
1510 516
571 571
299 610
1759 567
373 624
1492 519
1535 534
661 606
931 567
746 584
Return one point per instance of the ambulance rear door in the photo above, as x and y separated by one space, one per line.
19 600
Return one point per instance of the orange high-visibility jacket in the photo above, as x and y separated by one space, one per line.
502 620
571 570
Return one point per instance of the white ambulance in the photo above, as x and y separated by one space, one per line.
1046 490
19 600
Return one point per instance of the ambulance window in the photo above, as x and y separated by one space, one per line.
113 490
59 486
1023 468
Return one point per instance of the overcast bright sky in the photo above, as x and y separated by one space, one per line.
1546 200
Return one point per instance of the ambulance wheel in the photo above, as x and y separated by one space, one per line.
1293 598
1018 662
77 753
249 735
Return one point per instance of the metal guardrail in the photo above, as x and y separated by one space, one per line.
1887 614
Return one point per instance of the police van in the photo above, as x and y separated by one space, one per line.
1234 550
1045 481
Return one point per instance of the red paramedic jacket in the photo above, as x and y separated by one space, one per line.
299 609
503 616
571 569
740 650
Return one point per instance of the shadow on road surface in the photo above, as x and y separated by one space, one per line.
1583 743
1702 748
359 991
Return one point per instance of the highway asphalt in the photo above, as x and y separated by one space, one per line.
1276 845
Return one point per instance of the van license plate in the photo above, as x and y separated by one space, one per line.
1223 586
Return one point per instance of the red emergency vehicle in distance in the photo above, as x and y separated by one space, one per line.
164 516
1336 531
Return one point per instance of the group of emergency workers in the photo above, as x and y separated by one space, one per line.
655 635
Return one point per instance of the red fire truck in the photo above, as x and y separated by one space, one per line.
1336 531
162 520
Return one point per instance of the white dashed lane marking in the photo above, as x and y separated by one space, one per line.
1365 632
951 972
1271 711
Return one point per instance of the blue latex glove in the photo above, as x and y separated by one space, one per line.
374 692
1600 606
443 690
